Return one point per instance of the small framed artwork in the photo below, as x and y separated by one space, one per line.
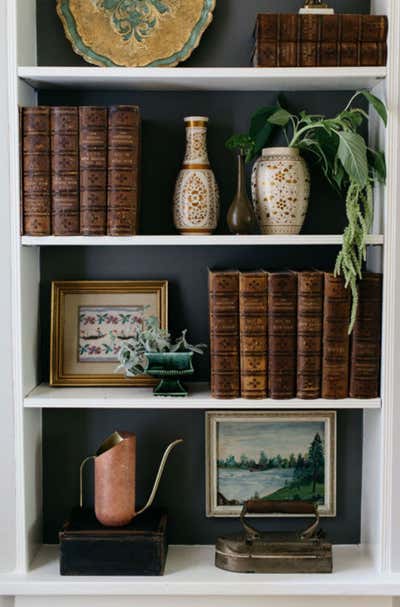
90 320
275 455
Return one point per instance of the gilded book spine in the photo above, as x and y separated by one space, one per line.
93 170
123 170
36 171
253 290
224 334
282 321
366 339
310 297
335 346
65 170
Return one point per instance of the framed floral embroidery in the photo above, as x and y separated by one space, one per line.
89 322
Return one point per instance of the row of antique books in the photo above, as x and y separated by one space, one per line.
285 334
292 40
80 170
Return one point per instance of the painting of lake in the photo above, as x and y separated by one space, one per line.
279 460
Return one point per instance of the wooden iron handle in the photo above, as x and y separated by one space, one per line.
275 507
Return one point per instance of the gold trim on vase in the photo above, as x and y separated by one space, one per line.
191 123
195 167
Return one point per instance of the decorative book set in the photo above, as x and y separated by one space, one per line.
285 334
80 170
292 40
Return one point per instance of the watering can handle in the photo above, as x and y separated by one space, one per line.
159 475
85 461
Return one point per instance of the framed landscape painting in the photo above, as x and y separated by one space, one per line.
270 455
89 322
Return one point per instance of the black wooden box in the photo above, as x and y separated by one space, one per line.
88 548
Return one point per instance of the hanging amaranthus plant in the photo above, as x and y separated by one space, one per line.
347 162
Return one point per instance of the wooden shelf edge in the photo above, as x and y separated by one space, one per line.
45 397
190 571
177 240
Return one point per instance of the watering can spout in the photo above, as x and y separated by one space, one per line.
159 475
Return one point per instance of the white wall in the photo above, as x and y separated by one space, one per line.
7 460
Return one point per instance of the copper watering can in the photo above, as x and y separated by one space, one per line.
115 479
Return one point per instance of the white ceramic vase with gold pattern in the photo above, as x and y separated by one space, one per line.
280 186
196 199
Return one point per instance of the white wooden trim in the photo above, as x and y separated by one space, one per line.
44 396
177 240
219 78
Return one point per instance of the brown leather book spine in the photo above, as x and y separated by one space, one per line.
366 339
310 28
123 170
373 53
93 170
253 304
282 324
329 28
224 334
310 298
36 171
274 27
64 127
373 28
328 54
308 54
349 54
335 342
287 54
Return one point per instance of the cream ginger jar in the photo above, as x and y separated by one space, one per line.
280 186
196 199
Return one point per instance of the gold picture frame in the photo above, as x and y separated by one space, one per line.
227 485
80 349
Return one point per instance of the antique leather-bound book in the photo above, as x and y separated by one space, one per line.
93 170
310 298
64 127
224 334
282 321
335 342
36 171
320 40
253 305
123 170
366 339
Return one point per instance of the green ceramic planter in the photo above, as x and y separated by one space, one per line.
169 367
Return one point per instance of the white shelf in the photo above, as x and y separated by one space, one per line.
227 79
190 571
46 397
177 240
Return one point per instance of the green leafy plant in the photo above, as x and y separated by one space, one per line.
151 338
348 163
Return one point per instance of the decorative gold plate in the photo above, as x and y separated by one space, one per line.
116 33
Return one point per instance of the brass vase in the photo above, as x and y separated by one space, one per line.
241 218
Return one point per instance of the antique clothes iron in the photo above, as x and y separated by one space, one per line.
115 479
256 552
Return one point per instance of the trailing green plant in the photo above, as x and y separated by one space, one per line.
151 338
347 162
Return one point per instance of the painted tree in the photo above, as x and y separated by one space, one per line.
316 461
263 460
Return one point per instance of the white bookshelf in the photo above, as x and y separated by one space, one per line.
371 571
181 240
47 397
204 79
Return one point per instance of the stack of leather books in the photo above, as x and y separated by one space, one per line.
285 334
292 40
80 170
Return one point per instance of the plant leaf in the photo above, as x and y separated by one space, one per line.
280 118
379 106
352 153
377 161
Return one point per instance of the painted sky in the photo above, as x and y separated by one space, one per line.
250 438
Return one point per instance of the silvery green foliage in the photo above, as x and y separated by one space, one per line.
151 338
